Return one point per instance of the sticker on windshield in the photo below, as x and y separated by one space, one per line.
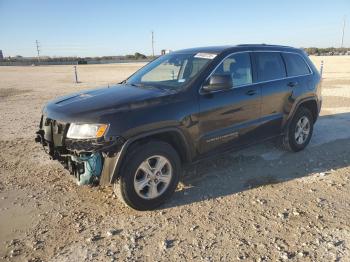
181 80
205 55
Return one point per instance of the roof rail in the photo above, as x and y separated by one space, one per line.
263 44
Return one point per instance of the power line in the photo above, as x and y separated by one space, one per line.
342 37
152 43
37 50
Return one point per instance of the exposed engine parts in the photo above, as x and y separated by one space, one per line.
84 158
86 168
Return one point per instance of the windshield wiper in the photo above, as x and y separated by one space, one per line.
147 86
137 85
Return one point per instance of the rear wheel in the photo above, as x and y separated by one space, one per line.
150 174
299 131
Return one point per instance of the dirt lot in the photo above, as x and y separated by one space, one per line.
259 204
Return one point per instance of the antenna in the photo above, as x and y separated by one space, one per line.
342 37
152 43
37 50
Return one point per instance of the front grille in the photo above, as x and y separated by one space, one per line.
54 131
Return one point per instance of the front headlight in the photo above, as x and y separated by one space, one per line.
85 131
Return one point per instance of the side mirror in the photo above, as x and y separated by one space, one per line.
218 82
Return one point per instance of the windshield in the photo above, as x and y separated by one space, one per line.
171 71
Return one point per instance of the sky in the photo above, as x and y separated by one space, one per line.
98 28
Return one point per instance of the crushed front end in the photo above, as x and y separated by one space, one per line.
83 156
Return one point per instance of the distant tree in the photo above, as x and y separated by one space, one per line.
326 51
139 56
312 50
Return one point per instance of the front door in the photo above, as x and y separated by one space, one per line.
230 116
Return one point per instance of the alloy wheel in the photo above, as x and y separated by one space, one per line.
302 130
153 177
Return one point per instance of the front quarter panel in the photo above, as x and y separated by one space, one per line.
170 111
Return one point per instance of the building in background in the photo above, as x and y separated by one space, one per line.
165 51
1 56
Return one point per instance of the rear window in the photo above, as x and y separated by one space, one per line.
295 65
270 66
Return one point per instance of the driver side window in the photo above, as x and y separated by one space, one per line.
239 67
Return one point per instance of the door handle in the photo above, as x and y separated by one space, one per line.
292 84
251 92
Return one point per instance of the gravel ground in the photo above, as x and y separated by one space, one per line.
258 204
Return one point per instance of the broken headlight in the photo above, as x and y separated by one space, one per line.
86 131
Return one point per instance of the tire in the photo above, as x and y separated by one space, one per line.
132 174
289 140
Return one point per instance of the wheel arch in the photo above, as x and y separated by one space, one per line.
310 103
173 136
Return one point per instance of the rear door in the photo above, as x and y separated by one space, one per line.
275 91
298 73
228 116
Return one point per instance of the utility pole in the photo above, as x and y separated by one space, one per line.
152 43
38 50
342 37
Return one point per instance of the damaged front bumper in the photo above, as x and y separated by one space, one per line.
84 158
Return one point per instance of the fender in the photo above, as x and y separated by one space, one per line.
121 154
296 106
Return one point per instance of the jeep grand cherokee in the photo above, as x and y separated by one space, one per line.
182 107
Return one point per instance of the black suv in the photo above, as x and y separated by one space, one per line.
180 108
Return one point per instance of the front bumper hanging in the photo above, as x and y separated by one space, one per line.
84 158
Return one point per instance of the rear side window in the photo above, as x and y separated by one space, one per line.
295 65
270 66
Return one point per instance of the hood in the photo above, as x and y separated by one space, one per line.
90 105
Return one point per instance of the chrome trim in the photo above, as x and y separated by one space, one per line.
254 83
217 138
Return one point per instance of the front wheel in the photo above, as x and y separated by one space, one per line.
150 174
299 131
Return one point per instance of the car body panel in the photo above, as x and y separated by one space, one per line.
228 115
